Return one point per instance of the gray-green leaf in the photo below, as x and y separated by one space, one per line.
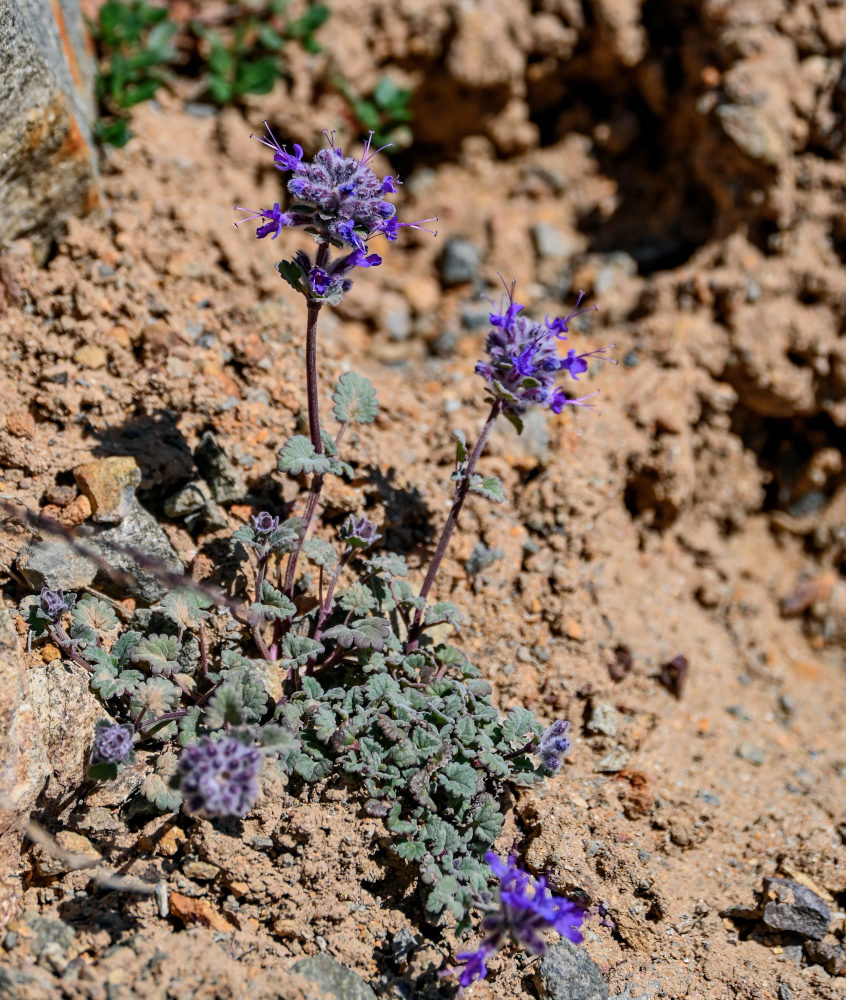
489 487
298 455
355 400
158 653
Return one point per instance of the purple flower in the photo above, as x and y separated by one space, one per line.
523 910
276 220
264 523
55 603
523 359
475 963
219 777
112 744
319 280
358 532
554 745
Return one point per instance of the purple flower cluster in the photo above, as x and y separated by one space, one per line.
554 745
219 777
524 361
336 198
52 604
112 744
524 910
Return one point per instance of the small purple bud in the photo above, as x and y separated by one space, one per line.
388 185
55 603
358 532
554 744
264 523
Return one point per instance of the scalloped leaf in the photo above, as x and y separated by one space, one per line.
99 616
301 649
185 608
113 685
358 599
298 456
274 604
321 552
365 633
459 780
355 400
291 273
489 487
158 653
225 706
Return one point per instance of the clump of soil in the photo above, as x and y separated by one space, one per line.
668 575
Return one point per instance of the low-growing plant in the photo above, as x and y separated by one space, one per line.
386 112
333 667
234 51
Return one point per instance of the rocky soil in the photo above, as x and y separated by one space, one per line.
669 574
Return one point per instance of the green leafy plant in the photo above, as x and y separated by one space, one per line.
135 41
235 52
385 112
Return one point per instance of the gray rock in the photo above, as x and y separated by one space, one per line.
225 481
398 322
24 763
188 500
603 720
48 170
791 906
616 267
785 992
56 564
333 978
829 954
211 518
481 558
751 754
459 262
551 243
755 132
613 761
567 972
140 533
475 315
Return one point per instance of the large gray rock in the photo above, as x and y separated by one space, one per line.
47 168
333 979
791 906
47 716
55 563
139 534
567 972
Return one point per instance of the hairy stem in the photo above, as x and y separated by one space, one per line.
65 643
461 491
313 427
326 604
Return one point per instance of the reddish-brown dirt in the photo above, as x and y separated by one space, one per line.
689 158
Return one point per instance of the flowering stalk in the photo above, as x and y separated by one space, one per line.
521 370
340 202
313 429
461 492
